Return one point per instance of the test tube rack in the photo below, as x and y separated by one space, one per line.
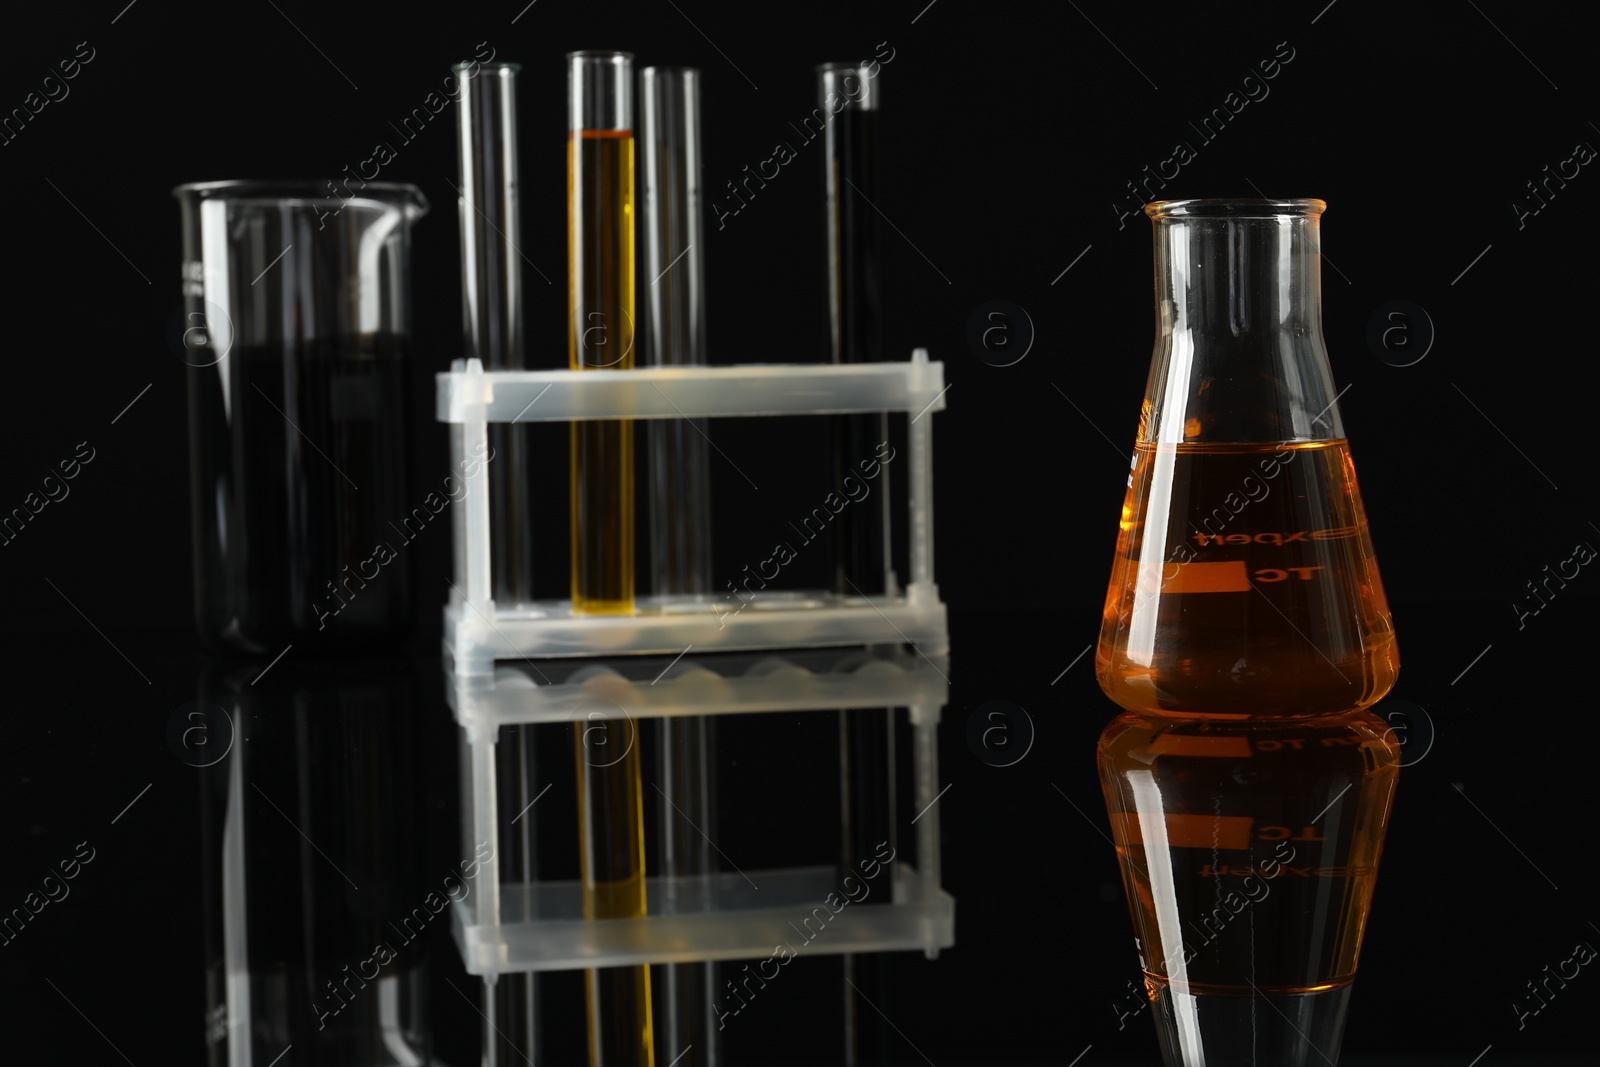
478 631
503 928
514 927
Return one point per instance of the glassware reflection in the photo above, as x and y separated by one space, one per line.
1249 852
317 905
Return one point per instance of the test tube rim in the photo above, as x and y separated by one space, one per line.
497 66
866 99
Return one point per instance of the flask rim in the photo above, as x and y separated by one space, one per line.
1237 208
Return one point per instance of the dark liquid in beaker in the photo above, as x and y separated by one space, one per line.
1245 585
302 515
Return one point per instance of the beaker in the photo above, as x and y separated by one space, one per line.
298 327
1244 583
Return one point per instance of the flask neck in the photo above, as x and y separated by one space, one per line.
1239 281
1239 317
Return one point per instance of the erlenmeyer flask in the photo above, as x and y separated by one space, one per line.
1245 632
1244 583
298 329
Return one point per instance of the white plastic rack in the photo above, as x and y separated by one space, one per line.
513 664
479 631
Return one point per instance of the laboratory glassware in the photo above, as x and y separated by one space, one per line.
1244 580
674 334
849 97
491 279
297 335
600 229
1245 631
600 233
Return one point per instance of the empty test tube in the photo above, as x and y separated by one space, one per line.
849 95
491 277
674 334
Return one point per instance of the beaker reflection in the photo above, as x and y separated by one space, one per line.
317 905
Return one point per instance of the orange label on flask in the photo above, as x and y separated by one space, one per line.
1200 745
1228 576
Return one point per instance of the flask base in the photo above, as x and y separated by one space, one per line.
1249 1029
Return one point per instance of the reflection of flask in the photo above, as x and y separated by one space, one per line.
1244 581
1249 854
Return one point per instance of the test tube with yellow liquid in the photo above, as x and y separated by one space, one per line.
600 316
600 233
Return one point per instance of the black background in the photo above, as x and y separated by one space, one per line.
1009 130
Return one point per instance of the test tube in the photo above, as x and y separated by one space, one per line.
600 220
848 97
600 217
680 518
491 279
675 324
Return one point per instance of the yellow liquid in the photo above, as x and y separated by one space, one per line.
1244 585
600 223
612 876
1249 852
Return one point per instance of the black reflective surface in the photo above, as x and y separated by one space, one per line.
348 771
1018 145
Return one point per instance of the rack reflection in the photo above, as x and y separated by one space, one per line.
745 818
